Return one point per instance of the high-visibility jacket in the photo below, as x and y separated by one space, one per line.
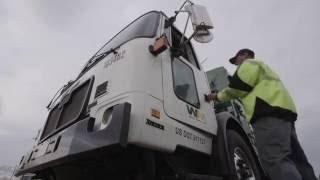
261 92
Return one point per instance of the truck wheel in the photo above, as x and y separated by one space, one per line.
242 159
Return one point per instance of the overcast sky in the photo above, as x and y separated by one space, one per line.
44 43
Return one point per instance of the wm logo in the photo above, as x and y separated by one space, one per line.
192 111
195 113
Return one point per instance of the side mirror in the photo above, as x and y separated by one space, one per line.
201 23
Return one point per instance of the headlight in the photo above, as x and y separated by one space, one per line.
106 118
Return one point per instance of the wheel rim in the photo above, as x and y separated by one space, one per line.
243 166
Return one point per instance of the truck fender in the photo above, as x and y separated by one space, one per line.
220 152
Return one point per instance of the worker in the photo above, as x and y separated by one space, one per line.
272 113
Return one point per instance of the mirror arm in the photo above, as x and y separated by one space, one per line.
173 18
185 29
192 35
189 39
187 1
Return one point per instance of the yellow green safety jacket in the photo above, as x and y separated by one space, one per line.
261 92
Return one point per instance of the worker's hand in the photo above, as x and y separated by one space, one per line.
211 96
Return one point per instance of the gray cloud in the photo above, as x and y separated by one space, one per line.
59 13
3 11
45 43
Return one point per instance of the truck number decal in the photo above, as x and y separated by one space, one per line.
114 59
188 135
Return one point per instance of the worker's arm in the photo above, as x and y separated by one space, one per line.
242 82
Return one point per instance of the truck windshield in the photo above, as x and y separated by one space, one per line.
144 26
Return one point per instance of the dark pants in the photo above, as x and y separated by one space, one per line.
281 154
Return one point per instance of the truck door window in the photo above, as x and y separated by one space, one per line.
184 82
186 50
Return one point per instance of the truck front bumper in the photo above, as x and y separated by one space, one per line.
77 141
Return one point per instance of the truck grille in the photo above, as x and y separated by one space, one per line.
69 110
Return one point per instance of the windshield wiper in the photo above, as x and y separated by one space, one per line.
61 90
97 58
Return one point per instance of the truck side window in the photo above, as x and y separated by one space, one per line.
184 82
187 51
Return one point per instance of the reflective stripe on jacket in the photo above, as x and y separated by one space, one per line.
261 92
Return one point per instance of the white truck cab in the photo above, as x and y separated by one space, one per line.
137 111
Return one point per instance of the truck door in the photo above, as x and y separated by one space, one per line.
184 86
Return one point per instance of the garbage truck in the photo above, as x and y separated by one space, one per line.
137 110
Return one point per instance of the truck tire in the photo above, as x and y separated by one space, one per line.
244 166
